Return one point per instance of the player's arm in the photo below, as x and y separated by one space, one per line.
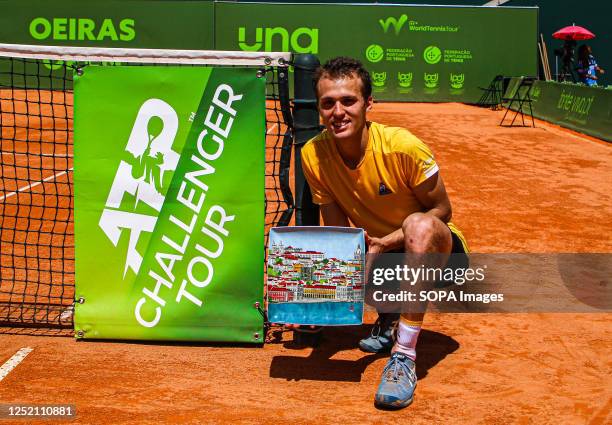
431 193
333 215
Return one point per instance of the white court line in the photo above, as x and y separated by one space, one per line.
30 186
37 154
12 363
271 128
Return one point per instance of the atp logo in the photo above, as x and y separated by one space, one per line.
397 23
379 78
457 80
141 178
431 80
405 80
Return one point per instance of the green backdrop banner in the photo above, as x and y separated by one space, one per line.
168 213
414 53
161 24
581 108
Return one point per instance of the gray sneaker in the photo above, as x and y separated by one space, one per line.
381 338
398 383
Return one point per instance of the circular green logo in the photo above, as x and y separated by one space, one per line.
374 53
432 55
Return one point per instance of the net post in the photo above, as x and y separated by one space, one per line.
306 126
287 145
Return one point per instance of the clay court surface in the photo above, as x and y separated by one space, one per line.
540 190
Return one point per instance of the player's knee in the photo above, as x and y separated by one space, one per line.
419 224
419 231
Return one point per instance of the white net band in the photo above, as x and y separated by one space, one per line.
166 56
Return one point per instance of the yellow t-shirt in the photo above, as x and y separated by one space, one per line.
377 195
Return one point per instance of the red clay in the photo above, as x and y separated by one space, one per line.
513 190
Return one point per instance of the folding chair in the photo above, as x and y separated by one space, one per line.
522 97
492 95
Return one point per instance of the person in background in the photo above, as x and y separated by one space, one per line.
587 66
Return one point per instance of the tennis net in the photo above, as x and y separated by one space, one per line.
37 255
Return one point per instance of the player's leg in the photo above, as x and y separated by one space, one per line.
423 234
428 235
381 338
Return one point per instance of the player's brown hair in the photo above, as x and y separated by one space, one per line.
344 67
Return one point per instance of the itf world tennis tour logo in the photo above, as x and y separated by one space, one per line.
396 23
153 157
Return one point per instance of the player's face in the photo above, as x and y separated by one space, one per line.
342 107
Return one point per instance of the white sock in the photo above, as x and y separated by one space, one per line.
407 337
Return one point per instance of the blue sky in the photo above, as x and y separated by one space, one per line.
333 241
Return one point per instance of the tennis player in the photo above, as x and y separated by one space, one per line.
386 181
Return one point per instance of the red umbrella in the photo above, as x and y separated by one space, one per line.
573 32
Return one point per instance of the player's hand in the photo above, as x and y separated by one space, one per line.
375 245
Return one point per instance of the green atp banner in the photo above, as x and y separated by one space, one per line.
413 53
169 203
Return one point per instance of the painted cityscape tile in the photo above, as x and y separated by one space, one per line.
315 275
